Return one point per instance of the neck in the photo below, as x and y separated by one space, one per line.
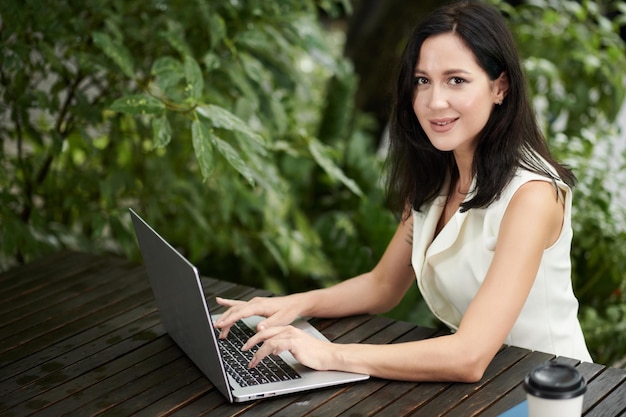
465 177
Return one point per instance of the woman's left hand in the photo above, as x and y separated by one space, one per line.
308 350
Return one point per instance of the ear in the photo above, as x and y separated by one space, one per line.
500 88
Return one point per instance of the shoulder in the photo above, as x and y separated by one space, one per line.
537 195
531 199
535 185
536 206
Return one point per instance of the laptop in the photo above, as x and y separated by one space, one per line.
185 314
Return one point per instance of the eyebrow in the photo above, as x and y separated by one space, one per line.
446 72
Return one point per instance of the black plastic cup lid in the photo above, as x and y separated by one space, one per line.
554 380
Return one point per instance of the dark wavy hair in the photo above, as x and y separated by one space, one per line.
511 138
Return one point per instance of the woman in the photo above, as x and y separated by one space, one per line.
486 219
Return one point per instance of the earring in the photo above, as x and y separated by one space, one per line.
499 102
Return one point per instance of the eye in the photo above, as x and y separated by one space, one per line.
457 81
419 80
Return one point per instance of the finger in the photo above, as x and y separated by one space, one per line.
261 337
231 315
274 346
226 302
223 331
282 342
275 320
256 359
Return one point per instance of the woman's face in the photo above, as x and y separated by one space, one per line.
453 96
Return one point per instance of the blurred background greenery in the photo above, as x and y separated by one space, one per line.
249 134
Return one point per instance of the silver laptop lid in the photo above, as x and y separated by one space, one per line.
181 303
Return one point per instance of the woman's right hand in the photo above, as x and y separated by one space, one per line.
278 311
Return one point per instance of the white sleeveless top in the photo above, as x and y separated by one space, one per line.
451 268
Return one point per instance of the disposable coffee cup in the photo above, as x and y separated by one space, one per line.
554 389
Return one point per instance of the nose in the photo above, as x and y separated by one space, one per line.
437 98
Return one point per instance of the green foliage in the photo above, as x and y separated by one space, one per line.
204 116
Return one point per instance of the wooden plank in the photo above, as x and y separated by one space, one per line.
280 406
154 386
613 404
68 326
71 309
364 331
600 386
137 382
225 409
419 395
382 402
130 338
497 387
23 279
64 333
340 327
110 376
394 332
85 342
36 296
417 333
351 396
456 394
210 404
178 399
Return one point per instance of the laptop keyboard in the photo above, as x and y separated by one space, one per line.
270 369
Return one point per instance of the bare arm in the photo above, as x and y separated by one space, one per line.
373 292
376 291
533 217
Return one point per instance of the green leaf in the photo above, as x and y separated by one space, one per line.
275 252
211 61
201 138
321 154
116 51
162 131
168 72
138 104
254 70
220 117
280 118
193 74
233 158
217 29
175 36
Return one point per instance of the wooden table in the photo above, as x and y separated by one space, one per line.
80 335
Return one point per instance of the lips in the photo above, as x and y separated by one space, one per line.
443 125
